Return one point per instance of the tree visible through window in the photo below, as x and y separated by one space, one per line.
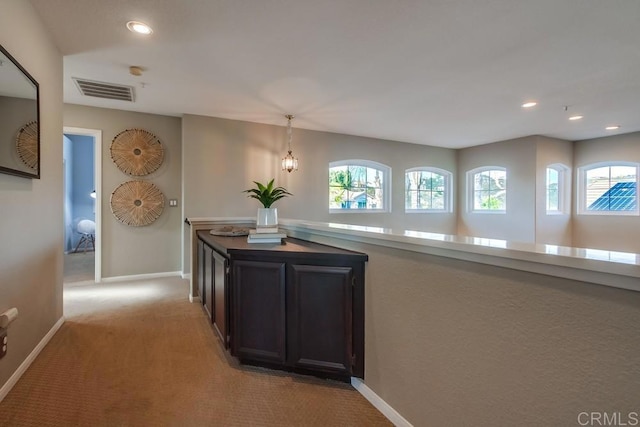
357 185
426 189
489 189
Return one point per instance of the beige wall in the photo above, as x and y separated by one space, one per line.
553 229
526 219
136 250
31 209
619 233
455 343
235 153
518 222
222 157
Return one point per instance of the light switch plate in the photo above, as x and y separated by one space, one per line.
173 202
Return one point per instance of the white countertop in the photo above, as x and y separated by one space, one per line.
609 268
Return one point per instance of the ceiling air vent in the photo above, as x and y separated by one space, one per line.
104 90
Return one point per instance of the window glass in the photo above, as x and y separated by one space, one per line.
427 190
357 185
553 190
611 188
490 190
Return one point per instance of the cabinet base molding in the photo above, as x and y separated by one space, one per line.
299 371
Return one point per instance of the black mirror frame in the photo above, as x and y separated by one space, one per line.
10 171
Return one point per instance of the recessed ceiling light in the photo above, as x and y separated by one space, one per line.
139 27
575 117
614 127
529 104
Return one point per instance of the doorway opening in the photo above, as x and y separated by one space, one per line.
82 160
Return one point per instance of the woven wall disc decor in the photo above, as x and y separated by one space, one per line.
137 203
27 144
137 152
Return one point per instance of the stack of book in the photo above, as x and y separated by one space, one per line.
265 235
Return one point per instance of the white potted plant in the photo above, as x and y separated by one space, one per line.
267 195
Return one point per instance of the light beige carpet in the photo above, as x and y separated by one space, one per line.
79 266
139 354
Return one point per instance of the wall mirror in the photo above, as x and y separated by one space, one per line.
19 119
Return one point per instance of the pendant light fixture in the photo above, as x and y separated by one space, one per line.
289 163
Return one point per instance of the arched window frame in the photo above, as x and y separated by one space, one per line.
385 186
562 191
471 189
583 200
448 196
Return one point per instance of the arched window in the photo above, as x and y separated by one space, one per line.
359 186
609 188
427 190
487 189
557 189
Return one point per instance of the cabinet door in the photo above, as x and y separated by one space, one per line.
207 256
320 318
258 295
220 298
200 270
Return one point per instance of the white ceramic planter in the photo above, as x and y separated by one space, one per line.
267 218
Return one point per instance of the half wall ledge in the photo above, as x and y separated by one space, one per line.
608 268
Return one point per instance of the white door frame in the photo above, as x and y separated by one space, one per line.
97 182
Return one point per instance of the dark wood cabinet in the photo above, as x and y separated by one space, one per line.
221 297
207 295
200 270
259 311
205 277
297 306
320 318
212 278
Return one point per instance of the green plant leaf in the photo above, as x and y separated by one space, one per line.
267 195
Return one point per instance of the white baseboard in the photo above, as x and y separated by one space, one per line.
382 406
142 276
6 388
186 276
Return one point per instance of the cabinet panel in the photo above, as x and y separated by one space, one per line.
207 255
200 271
320 318
259 310
220 298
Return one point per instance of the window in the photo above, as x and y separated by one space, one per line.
359 186
556 185
488 189
427 190
608 188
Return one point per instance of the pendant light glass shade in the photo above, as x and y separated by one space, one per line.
289 163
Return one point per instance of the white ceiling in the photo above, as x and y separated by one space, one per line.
436 72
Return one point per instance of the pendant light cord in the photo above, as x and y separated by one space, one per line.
289 117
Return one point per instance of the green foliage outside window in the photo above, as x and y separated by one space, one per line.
355 187
490 190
